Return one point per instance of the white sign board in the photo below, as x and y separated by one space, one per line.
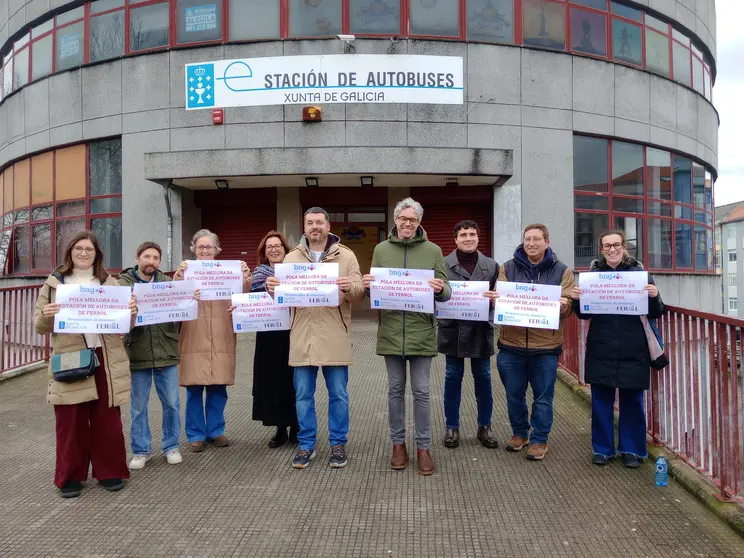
306 284
466 303
258 312
336 78
402 289
92 309
215 279
528 305
614 292
165 301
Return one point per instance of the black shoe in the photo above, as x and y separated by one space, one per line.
112 485
452 438
631 461
598 459
293 432
338 457
302 458
486 438
279 439
71 489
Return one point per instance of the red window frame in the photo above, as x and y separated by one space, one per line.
89 16
27 48
640 27
128 27
32 43
608 29
406 23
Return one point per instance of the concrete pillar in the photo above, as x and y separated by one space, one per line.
394 196
507 220
289 214
186 221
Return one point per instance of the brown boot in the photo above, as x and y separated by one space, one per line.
537 452
516 443
400 457
486 438
196 447
221 441
425 462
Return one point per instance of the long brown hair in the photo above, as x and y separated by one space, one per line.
99 272
261 252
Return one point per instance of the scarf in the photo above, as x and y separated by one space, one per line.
260 274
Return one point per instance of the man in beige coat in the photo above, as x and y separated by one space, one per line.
320 338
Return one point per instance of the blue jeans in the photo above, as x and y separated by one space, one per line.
336 378
540 371
166 384
455 370
632 428
205 421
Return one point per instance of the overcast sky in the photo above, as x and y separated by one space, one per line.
728 98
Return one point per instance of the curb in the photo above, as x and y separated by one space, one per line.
22 370
689 478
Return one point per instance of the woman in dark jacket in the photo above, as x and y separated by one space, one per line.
617 358
273 389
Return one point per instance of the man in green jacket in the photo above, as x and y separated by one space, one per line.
409 336
153 353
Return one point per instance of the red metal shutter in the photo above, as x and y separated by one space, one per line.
440 220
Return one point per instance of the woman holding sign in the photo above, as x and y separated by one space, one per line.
207 348
618 359
86 410
273 387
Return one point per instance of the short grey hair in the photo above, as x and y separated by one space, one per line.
201 233
405 204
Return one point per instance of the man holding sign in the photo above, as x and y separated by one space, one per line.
530 354
471 336
320 335
407 337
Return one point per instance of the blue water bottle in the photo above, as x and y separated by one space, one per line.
662 471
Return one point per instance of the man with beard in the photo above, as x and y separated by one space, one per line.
320 337
153 353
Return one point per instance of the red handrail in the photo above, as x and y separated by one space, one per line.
20 345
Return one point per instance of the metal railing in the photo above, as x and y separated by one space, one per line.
694 406
20 345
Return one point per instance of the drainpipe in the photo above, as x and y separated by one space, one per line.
167 185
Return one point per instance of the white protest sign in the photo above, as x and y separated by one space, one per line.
92 309
528 305
215 279
306 284
330 78
466 303
402 289
614 292
165 301
258 312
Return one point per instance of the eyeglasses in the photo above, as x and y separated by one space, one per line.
83 249
404 220
273 247
205 248
616 246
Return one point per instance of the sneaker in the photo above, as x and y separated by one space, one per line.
112 485
173 457
537 452
197 446
338 457
631 461
221 441
598 459
452 438
517 443
138 462
71 489
302 458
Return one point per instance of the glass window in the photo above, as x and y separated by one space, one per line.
105 205
544 24
21 216
589 201
105 168
491 20
42 178
148 27
633 229
588 32
698 185
8 75
682 180
435 17
697 75
42 246
42 213
377 16
683 244
254 19
99 6
627 205
72 15
682 71
21 60
660 208
108 231
199 21
732 255
65 231
627 168
70 45
626 42
681 37
71 209
657 52
658 173
657 24
706 84
22 184
660 244
599 4
23 41
41 57
43 28
732 279
316 18
588 227
626 11
69 172
107 36
708 192
21 263
733 303
590 164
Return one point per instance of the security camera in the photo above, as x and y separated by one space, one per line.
346 38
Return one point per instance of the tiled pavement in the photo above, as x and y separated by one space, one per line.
245 500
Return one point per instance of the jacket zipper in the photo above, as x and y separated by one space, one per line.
527 330
405 260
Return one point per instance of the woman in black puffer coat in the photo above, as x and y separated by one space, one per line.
617 358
